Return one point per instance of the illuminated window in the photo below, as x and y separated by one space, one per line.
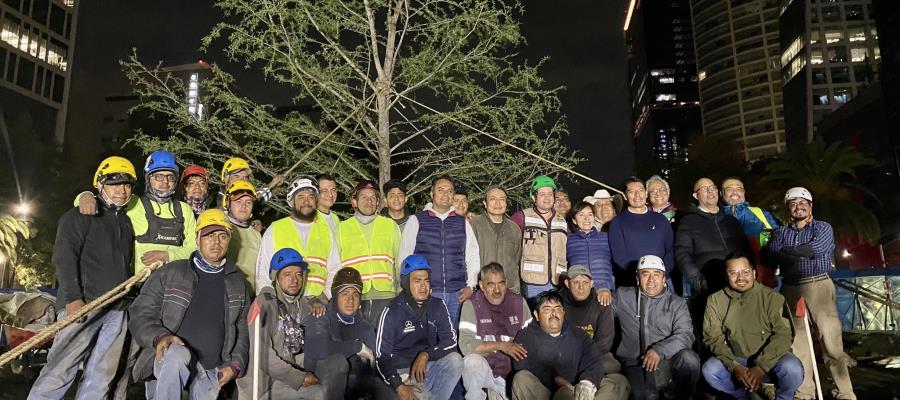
833 36
856 35
837 54
820 97
859 54
666 79
702 75
817 57
666 97
842 95
814 37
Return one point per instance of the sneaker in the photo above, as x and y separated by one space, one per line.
767 390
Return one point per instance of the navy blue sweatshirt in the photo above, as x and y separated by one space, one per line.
403 334
632 236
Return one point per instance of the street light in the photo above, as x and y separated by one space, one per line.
23 209
846 254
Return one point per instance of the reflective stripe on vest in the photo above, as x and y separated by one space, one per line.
375 260
543 249
758 212
315 253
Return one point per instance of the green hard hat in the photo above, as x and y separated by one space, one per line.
542 182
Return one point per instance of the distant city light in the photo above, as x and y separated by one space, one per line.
23 209
631 5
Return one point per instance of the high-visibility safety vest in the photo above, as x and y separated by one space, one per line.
315 253
374 260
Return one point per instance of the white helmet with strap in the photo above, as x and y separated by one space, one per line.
797 193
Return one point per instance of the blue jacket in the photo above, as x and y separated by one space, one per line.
443 244
592 249
403 334
751 224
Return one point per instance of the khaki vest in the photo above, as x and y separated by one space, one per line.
374 261
315 253
543 249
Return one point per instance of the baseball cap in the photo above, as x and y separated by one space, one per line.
579 270
651 262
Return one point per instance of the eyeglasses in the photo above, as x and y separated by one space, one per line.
707 189
658 191
163 178
743 272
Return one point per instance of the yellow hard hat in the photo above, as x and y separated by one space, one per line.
240 186
234 164
212 220
116 168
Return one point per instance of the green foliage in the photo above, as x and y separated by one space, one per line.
394 82
710 157
829 171
18 260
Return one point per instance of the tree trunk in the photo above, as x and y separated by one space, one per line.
382 104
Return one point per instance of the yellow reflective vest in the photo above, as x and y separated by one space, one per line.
315 253
375 258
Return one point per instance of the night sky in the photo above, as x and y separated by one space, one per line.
582 38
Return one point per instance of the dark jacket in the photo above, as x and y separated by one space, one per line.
667 327
592 249
159 309
571 355
596 320
702 242
327 335
754 324
443 243
503 246
403 334
92 253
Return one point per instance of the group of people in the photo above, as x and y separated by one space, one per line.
607 298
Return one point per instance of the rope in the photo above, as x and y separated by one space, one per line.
551 162
100 302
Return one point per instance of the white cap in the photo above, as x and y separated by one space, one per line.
298 185
651 262
601 194
797 193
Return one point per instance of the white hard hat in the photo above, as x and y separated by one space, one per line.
601 194
651 262
300 184
797 193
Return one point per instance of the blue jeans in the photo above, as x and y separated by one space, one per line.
451 300
176 371
441 375
787 374
98 340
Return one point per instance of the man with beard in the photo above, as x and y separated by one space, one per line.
758 225
804 249
748 329
344 337
416 343
244 247
195 186
369 243
488 323
190 319
584 311
656 336
284 339
561 361
306 231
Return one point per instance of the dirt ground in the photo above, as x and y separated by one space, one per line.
870 381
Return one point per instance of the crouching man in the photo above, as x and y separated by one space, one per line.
344 336
748 328
416 343
561 361
190 319
488 323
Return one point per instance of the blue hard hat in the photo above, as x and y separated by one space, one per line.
414 262
160 160
285 258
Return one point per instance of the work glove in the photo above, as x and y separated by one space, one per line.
366 354
585 390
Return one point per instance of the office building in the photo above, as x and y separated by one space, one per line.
739 73
36 39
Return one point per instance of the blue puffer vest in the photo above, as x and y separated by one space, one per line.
592 249
443 244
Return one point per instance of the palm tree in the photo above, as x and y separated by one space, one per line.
829 171
13 234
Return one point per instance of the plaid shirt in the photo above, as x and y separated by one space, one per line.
818 235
